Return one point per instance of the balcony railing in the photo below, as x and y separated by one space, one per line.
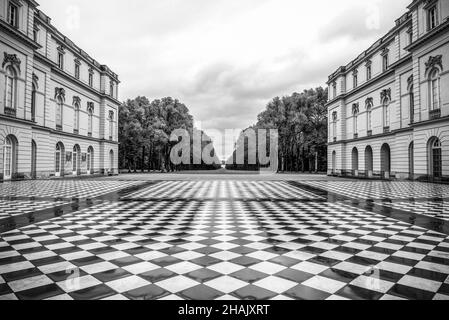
369 133
386 129
435 114
11 112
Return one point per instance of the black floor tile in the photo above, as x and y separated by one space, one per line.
285 261
205 261
203 275
410 293
339 275
157 275
22 274
357 293
166 261
150 292
126 261
87 261
249 275
93 293
252 292
4 289
294 275
245 261
427 274
111 275
201 292
40 293
302 292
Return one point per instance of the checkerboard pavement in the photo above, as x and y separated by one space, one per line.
434 209
236 249
20 207
222 190
379 190
65 189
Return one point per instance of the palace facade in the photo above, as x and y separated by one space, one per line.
58 106
389 108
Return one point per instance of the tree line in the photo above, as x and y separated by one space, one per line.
145 129
301 121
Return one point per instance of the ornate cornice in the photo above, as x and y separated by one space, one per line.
11 59
433 62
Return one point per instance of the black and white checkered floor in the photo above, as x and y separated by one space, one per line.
224 240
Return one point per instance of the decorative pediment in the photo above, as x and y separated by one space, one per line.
90 107
355 108
76 101
61 49
433 62
369 103
35 78
410 81
334 116
60 93
11 59
385 95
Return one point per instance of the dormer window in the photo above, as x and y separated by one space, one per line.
13 15
432 17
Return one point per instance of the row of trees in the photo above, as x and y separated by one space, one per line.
301 121
145 129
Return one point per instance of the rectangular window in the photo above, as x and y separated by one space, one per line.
435 94
368 73
369 127
77 71
61 61
91 80
111 89
335 90
433 18
35 35
355 79
59 107
13 15
385 62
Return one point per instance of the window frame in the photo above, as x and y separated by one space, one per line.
61 60
15 22
432 20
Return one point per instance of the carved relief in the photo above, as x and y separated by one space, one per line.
90 107
433 62
355 108
385 95
11 59
369 103
334 116
60 93
76 100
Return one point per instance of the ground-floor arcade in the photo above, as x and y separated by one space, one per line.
28 152
418 153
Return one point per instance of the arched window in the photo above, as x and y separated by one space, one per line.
90 160
59 112
435 90
411 95
334 162
355 125
355 161
8 158
76 159
76 118
10 91
111 125
59 159
386 113
369 110
111 161
33 103
369 161
435 158
33 159
90 112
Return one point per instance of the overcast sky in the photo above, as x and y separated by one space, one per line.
225 59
